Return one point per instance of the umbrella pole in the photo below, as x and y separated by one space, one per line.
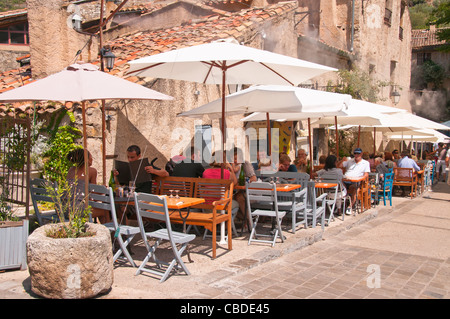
337 136
311 166
223 122
359 134
86 161
374 137
103 141
269 135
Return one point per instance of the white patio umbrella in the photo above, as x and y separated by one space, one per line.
82 82
363 114
269 100
223 62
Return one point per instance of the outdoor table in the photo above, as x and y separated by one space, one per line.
325 185
365 202
175 204
280 187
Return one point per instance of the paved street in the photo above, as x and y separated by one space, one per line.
399 252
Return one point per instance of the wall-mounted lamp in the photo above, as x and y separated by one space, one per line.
76 21
395 95
108 57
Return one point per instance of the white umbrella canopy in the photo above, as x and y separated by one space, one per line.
277 100
420 135
209 63
361 113
223 62
82 82
417 121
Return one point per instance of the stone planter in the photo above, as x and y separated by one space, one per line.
70 268
13 238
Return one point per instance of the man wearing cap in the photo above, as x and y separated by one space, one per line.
355 168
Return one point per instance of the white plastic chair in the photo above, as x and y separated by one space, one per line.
155 207
101 197
264 193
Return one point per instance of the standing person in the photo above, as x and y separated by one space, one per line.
355 168
441 163
189 168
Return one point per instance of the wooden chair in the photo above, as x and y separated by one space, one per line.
406 177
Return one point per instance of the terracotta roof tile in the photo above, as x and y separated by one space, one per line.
211 27
424 38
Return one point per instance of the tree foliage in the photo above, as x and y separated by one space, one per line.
442 19
359 85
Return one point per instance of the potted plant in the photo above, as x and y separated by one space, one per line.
70 259
13 236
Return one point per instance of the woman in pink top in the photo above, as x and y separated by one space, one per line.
216 172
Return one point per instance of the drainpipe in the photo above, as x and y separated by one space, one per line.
353 25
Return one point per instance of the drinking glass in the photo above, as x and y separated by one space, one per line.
177 191
131 187
171 195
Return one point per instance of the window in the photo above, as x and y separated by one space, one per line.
14 34
423 57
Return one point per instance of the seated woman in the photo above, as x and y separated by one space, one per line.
76 176
77 172
285 164
215 172
329 170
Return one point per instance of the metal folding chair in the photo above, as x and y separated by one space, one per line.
39 193
101 197
264 193
155 207
315 211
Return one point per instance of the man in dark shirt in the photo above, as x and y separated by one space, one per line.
189 168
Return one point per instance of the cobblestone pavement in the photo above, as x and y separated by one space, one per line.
398 252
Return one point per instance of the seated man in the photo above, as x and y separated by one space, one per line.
406 162
134 154
189 168
355 168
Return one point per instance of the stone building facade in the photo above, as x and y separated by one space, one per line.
314 30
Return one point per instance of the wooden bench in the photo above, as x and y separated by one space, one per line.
406 177
217 194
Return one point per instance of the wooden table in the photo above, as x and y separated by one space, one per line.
363 190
